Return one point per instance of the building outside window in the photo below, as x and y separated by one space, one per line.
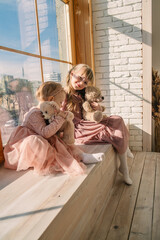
34 47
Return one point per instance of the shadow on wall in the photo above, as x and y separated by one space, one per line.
112 66
137 136
135 140
118 61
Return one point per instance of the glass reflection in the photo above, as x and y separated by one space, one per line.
55 71
18 83
53 18
18 25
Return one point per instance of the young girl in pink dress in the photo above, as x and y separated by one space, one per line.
35 145
111 130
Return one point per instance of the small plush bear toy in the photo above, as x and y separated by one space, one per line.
93 94
49 110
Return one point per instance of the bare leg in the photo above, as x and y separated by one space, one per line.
124 168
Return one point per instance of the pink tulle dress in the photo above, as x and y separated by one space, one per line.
35 145
111 130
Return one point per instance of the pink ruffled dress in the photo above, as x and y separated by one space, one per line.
111 130
35 145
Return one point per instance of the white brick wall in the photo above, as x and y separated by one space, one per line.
118 61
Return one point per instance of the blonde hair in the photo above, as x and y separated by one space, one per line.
88 73
48 89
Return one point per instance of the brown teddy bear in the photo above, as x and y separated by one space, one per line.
49 110
93 94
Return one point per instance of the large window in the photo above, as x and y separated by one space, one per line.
34 47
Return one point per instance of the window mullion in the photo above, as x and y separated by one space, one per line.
39 40
65 1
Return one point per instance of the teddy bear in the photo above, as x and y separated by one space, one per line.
49 110
93 94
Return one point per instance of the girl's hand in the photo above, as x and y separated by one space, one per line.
63 114
60 134
52 118
96 106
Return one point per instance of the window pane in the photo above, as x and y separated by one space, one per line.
55 71
53 19
19 78
18 25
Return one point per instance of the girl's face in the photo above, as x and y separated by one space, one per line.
78 79
58 98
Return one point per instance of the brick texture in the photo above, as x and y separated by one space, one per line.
118 61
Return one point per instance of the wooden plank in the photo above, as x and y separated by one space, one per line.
79 31
81 200
87 33
91 36
24 198
17 188
104 221
156 212
153 136
147 73
32 55
96 202
89 206
93 208
33 203
141 228
72 33
8 176
30 204
82 32
39 40
45 204
123 216
40 210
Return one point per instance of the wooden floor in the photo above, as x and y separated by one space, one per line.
133 212
96 206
